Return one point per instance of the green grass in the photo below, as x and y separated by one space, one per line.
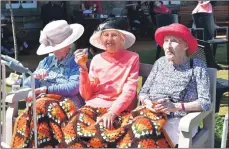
218 131
223 74
148 55
221 54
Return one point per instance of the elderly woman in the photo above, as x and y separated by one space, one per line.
58 73
109 89
55 74
177 83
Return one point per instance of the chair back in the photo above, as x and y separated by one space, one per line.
144 70
166 19
200 53
205 21
204 53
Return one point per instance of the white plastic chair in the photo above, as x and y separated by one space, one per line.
7 124
205 137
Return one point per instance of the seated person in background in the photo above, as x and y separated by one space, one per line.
86 8
97 6
160 8
177 84
203 6
58 73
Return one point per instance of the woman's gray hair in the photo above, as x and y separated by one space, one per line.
72 47
123 38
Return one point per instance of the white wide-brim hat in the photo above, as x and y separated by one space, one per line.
118 24
57 35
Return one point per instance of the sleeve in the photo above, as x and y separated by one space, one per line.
71 87
196 9
88 82
27 81
144 93
203 88
128 92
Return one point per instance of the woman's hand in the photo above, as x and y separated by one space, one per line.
148 103
40 74
107 119
165 105
37 92
81 58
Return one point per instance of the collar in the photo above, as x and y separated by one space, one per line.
185 65
113 57
63 62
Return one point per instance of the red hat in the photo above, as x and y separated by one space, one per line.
178 30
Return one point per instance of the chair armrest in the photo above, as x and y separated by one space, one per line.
222 27
15 96
190 120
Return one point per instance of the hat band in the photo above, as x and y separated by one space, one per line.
54 40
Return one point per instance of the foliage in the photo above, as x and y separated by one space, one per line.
218 131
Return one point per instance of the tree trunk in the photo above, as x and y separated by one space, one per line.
13 29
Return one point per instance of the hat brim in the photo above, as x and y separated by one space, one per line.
76 34
170 31
205 2
96 42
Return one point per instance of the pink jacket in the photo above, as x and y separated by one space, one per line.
112 81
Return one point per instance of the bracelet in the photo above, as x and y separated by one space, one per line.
83 70
182 106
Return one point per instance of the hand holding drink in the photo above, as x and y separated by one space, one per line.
81 57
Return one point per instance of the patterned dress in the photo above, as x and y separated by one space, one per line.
180 82
61 125
183 84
